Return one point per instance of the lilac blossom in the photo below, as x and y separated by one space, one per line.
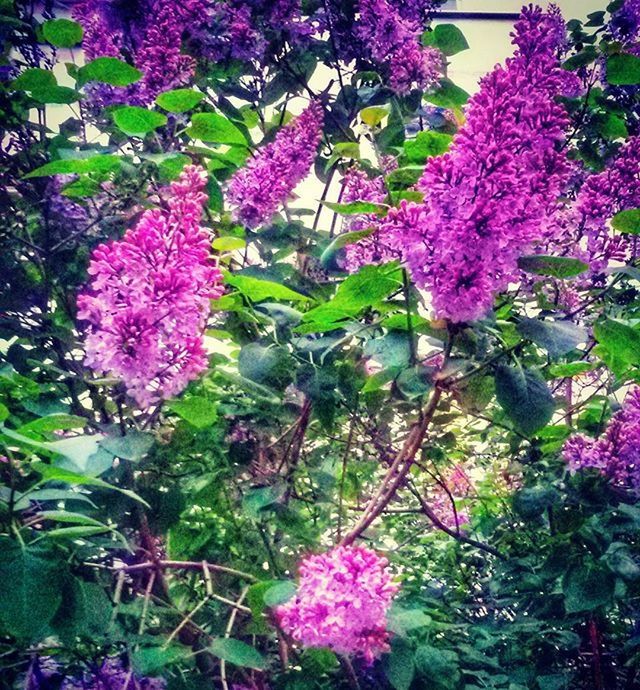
487 200
342 602
625 22
445 495
616 454
393 39
257 190
148 300
149 34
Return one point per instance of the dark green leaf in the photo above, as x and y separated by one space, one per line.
238 653
446 37
399 665
556 337
623 69
134 446
619 339
587 587
525 398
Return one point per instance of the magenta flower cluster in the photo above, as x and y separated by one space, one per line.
342 602
266 182
446 494
147 304
149 34
392 37
616 454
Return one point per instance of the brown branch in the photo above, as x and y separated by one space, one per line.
186 565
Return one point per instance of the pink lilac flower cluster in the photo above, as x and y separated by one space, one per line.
444 496
489 198
392 37
149 34
148 300
616 454
342 602
261 187
615 189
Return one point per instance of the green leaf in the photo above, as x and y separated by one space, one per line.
619 339
150 660
108 70
532 502
32 593
327 259
86 610
425 145
238 653
399 667
374 114
401 620
197 410
554 266
33 79
570 369
356 208
556 337
446 37
525 398
268 366
58 474
627 221
179 100
587 587
136 121
448 95
66 166
62 33
279 593
55 94
255 500
619 558
228 243
614 127
53 422
78 532
623 69
134 446
440 668
258 290
214 128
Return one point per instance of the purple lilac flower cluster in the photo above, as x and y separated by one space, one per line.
625 22
111 674
342 602
615 189
258 189
148 301
616 454
242 29
489 198
391 34
148 33
374 249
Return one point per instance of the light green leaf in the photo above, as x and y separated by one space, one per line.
136 121
62 33
197 410
446 37
627 221
258 290
214 128
554 266
108 70
179 100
